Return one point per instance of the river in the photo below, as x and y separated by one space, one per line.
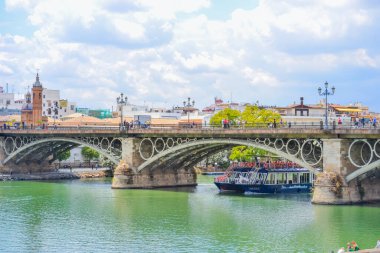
88 216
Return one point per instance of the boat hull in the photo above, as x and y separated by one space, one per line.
285 188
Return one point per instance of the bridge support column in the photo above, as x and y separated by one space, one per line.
126 175
331 186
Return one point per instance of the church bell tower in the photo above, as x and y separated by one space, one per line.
37 101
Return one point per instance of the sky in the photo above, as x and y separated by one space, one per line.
159 52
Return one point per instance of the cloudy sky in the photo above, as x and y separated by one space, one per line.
162 51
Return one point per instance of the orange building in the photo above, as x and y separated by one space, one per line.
31 112
37 102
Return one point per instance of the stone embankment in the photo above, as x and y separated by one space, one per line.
94 174
56 175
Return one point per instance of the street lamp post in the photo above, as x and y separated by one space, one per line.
55 111
188 107
326 93
121 102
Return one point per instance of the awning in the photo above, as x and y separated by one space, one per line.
348 110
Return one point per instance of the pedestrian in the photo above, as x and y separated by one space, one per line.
355 246
374 122
96 166
363 122
341 250
274 123
378 244
349 247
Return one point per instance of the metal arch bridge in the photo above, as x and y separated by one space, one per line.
159 148
156 151
34 148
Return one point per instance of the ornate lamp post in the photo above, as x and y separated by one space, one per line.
121 102
326 93
54 109
187 107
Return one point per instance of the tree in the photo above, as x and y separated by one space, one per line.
228 113
253 115
62 156
89 154
246 154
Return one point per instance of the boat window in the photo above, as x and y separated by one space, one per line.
260 178
294 178
305 178
290 178
271 178
281 178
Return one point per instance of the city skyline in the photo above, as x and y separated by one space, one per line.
162 52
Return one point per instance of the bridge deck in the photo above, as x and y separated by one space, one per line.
203 132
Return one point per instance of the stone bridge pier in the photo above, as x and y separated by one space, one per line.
349 172
129 174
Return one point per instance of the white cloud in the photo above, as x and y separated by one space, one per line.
167 50
259 77
5 70
203 59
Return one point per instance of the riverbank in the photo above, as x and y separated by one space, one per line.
62 174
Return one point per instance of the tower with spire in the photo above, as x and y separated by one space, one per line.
37 101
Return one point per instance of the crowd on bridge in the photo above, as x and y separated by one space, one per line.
363 122
266 165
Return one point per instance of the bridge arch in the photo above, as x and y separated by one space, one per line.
229 142
35 143
363 170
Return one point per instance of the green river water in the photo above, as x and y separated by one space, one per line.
88 216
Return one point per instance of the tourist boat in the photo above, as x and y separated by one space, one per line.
265 180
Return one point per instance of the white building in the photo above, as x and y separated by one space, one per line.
55 107
130 110
10 101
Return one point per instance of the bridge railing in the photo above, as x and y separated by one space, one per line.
290 125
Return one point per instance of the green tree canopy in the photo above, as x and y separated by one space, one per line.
62 156
246 154
253 115
228 113
89 154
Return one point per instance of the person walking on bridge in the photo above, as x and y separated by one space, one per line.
374 122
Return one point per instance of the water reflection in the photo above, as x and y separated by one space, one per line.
88 216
